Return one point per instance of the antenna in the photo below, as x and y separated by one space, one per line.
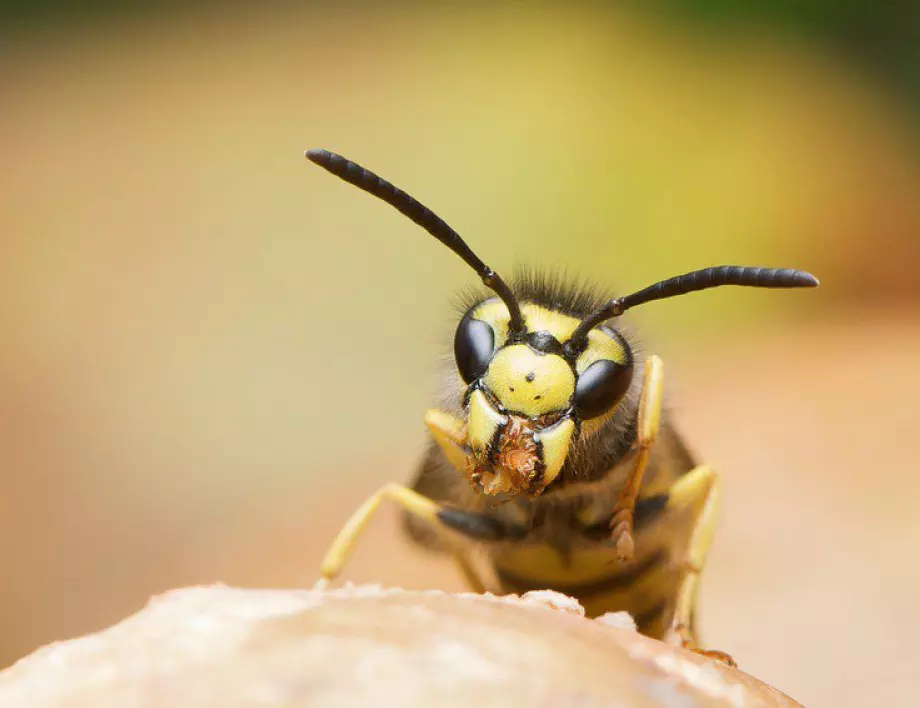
364 179
704 279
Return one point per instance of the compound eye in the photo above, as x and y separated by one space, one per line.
600 386
474 345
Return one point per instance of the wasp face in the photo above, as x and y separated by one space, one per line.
527 395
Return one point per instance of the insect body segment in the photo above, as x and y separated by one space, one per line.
577 480
526 400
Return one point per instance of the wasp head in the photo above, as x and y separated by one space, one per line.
527 391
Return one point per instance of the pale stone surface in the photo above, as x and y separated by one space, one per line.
370 646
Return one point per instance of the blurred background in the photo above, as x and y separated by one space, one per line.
212 351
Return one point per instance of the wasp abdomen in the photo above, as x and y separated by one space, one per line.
596 580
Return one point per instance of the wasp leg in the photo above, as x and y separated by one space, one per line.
469 573
647 424
444 519
449 432
697 492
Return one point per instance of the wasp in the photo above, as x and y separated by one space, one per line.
553 463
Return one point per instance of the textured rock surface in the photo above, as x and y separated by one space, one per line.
366 646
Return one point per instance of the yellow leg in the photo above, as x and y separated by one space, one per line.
412 502
698 492
647 424
449 432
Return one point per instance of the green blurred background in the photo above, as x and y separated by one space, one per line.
212 351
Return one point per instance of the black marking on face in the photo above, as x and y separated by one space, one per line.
492 452
530 377
539 468
545 343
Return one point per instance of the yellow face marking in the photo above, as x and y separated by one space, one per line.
541 319
530 383
555 441
484 421
601 346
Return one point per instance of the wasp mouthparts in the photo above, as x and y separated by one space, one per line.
515 466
